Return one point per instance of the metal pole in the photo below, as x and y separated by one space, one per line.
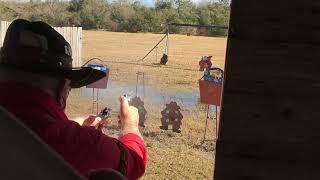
154 47
97 101
144 92
92 100
205 130
137 84
164 99
217 121
167 43
157 54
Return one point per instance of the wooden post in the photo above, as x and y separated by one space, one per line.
137 84
92 100
217 120
143 86
167 43
156 55
97 101
205 128
269 122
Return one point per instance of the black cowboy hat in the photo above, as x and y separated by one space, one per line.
36 47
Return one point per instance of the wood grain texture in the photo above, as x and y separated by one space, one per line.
269 127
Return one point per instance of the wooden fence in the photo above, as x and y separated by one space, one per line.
72 34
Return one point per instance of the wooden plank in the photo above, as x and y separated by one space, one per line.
268 22
269 127
274 117
3 28
255 169
271 150
80 47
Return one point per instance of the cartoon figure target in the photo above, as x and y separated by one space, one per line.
171 115
205 63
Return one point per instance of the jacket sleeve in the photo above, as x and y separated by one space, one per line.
138 152
86 148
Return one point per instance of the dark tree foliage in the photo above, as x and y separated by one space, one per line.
125 15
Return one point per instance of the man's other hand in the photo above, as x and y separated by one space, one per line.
91 120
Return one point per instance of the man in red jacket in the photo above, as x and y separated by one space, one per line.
36 76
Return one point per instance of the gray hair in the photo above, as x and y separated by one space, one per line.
46 83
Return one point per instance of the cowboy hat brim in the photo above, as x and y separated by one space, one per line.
79 77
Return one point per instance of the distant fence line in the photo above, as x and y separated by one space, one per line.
72 34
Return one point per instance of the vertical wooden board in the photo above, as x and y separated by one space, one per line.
71 40
77 46
74 39
74 54
259 169
269 127
80 46
1 33
64 30
3 29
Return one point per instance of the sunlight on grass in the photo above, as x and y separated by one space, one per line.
170 155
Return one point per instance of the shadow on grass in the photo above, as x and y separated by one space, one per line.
206 145
149 134
162 136
112 127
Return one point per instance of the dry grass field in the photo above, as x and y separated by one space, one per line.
170 155
181 70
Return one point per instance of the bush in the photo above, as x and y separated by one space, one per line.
124 16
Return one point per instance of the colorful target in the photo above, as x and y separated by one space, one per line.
211 86
205 63
171 115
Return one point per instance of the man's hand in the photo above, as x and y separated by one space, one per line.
94 121
128 118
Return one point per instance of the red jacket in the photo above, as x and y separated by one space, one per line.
85 148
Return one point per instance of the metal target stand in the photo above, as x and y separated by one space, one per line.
210 93
206 124
137 102
96 86
166 38
141 76
95 101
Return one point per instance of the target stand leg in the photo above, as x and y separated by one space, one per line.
95 101
205 128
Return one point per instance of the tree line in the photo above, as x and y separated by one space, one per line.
124 15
